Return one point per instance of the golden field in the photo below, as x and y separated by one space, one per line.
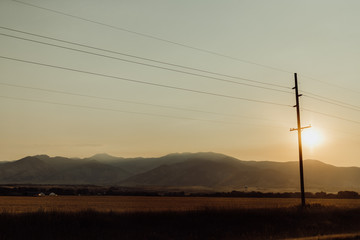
154 204
177 218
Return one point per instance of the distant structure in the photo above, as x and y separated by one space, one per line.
41 194
52 194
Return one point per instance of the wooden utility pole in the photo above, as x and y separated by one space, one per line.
299 129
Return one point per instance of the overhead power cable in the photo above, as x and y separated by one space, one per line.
332 103
144 82
332 116
332 84
125 111
150 65
145 64
128 101
154 37
115 110
330 100
137 57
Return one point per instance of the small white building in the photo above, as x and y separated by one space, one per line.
41 194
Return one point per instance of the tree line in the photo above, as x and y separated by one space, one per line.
89 190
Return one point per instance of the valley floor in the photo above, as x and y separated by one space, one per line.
270 223
154 204
105 217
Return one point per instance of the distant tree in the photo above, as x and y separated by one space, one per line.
321 194
348 194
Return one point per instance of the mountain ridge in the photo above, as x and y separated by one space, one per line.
208 170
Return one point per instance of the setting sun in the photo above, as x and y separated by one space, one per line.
311 137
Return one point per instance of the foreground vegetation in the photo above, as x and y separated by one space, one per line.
149 217
210 223
154 204
92 190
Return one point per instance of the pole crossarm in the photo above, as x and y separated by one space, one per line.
295 129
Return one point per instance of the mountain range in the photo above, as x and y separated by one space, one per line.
201 171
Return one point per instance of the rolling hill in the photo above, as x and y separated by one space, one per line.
211 171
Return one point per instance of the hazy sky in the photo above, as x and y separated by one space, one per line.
265 41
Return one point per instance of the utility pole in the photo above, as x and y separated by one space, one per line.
299 129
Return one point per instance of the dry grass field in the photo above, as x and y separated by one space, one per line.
118 217
154 204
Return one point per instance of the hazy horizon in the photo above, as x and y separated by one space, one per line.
158 156
229 89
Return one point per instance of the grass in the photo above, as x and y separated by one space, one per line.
154 204
197 224
254 219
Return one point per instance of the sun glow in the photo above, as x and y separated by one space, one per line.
311 137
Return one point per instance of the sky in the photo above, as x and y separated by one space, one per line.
179 76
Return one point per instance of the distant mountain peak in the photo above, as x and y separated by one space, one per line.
196 154
42 156
29 159
208 170
102 157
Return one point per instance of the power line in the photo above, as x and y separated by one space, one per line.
144 64
332 116
141 58
120 111
143 82
128 101
330 100
155 38
340 105
331 84
114 110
